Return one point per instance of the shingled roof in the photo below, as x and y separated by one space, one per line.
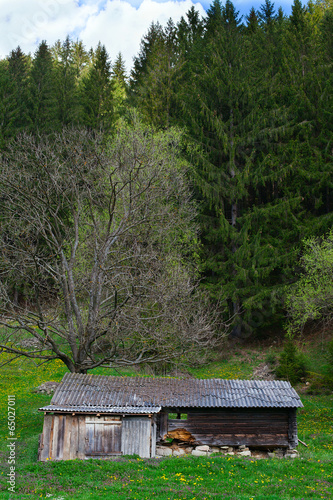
82 393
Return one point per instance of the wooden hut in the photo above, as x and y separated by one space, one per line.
102 416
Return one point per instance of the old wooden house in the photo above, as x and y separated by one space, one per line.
101 416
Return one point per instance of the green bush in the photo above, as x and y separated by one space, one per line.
292 365
271 358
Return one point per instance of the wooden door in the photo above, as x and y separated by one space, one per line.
103 436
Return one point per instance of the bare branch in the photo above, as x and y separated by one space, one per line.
98 251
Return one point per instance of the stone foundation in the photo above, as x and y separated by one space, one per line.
176 450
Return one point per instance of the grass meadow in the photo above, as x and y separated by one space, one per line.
176 478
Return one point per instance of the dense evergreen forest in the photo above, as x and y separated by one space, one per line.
254 96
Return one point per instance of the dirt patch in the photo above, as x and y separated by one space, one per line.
263 372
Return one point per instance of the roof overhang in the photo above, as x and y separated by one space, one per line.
121 410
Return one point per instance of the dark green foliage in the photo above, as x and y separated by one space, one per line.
7 104
297 18
96 92
58 86
267 14
66 88
18 68
256 102
326 31
153 37
43 108
214 17
252 21
330 355
292 366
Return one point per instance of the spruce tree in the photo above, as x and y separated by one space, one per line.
155 91
8 110
120 87
81 59
43 104
66 87
223 119
252 21
96 92
267 14
18 68
153 37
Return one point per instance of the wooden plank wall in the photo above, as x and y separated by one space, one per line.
61 438
66 437
137 436
237 427
103 435
292 428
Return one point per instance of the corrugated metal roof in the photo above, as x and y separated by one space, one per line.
106 393
102 409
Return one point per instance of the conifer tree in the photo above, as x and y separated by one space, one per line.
213 20
297 18
67 91
18 68
96 92
252 21
43 94
156 93
81 59
153 37
120 87
224 123
267 14
8 110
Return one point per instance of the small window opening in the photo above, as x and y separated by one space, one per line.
177 416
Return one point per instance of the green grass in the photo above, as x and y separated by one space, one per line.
183 478
177 478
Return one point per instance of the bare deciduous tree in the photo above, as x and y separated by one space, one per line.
96 251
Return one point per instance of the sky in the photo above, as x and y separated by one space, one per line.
118 24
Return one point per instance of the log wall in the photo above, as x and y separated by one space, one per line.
251 427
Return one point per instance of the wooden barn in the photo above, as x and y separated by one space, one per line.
103 416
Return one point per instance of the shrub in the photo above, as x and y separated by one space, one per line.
271 358
292 364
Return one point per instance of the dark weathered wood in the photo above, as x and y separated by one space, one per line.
54 442
162 425
136 436
153 436
292 428
60 437
67 436
74 434
103 436
81 437
255 427
46 437
68 425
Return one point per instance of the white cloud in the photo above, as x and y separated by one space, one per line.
118 24
25 23
121 26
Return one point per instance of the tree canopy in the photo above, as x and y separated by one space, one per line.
311 297
253 96
98 250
